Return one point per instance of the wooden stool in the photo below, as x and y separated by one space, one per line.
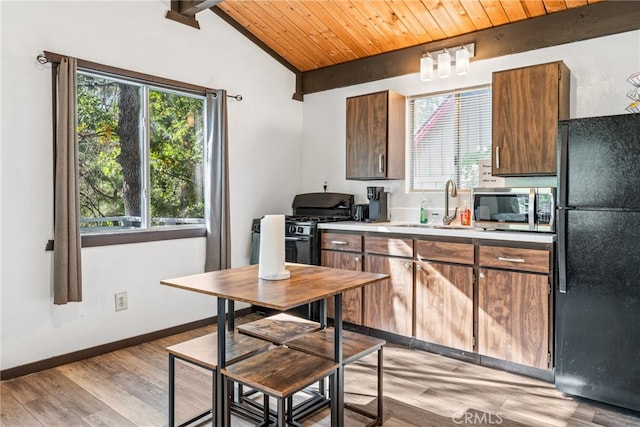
354 347
203 352
280 372
280 328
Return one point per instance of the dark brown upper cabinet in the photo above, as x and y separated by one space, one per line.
527 104
375 136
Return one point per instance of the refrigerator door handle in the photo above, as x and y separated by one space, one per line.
563 140
562 250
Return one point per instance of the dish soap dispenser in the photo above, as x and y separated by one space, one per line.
423 212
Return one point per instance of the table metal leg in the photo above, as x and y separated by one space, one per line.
322 308
339 395
221 392
231 310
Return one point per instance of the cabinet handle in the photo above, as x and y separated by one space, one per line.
498 157
482 275
381 163
356 259
339 242
407 266
519 260
418 267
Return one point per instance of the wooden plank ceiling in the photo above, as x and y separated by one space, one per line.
312 34
337 43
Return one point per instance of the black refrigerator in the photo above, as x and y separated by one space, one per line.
598 288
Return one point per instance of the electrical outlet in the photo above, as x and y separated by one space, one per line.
121 301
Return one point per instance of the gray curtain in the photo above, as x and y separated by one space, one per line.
67 271
218 249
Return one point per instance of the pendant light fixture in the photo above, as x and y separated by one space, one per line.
462 61
457 55
426 68
444 64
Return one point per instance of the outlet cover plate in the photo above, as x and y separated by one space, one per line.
121 301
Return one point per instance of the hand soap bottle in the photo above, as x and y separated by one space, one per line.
423 212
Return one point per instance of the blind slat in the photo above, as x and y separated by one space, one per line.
450 133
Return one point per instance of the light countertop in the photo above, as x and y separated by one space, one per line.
457 231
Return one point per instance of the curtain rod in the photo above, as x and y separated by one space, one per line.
54 58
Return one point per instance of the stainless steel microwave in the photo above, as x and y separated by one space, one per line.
522 209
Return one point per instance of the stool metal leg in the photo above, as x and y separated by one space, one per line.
172 391
380 385
281 412
379 414
265 408
214 385
290 408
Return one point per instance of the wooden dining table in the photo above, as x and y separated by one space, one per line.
306 284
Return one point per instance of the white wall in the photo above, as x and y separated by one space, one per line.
599 70
264 138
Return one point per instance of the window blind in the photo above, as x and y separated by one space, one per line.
449 134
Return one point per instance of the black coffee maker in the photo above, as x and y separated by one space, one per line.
377 204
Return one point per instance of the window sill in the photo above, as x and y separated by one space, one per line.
138 236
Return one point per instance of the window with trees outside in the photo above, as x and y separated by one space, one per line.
141 155
450 133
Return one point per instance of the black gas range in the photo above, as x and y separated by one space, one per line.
302 237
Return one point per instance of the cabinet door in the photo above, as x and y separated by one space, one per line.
513 317
444 304
367 136
525 120
389 303
351 300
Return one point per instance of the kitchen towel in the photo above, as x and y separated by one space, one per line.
272 251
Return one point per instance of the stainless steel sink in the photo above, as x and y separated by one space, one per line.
439 226
414 225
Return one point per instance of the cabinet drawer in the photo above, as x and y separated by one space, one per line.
535 260
342 241
461 253
389 246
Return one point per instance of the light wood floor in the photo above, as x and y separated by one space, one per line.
129 388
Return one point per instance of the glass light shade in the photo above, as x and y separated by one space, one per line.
462 61
444 64
426 68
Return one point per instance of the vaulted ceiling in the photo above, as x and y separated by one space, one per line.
326 41
315 34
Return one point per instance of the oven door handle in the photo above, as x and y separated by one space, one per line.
296 239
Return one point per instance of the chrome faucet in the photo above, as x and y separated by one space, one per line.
454 193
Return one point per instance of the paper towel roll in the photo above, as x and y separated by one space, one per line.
272 250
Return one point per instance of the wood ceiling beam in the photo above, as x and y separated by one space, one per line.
191 7
596 20
184 11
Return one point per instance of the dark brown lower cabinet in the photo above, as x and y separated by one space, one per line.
444 304
351 300
513 317
389 303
